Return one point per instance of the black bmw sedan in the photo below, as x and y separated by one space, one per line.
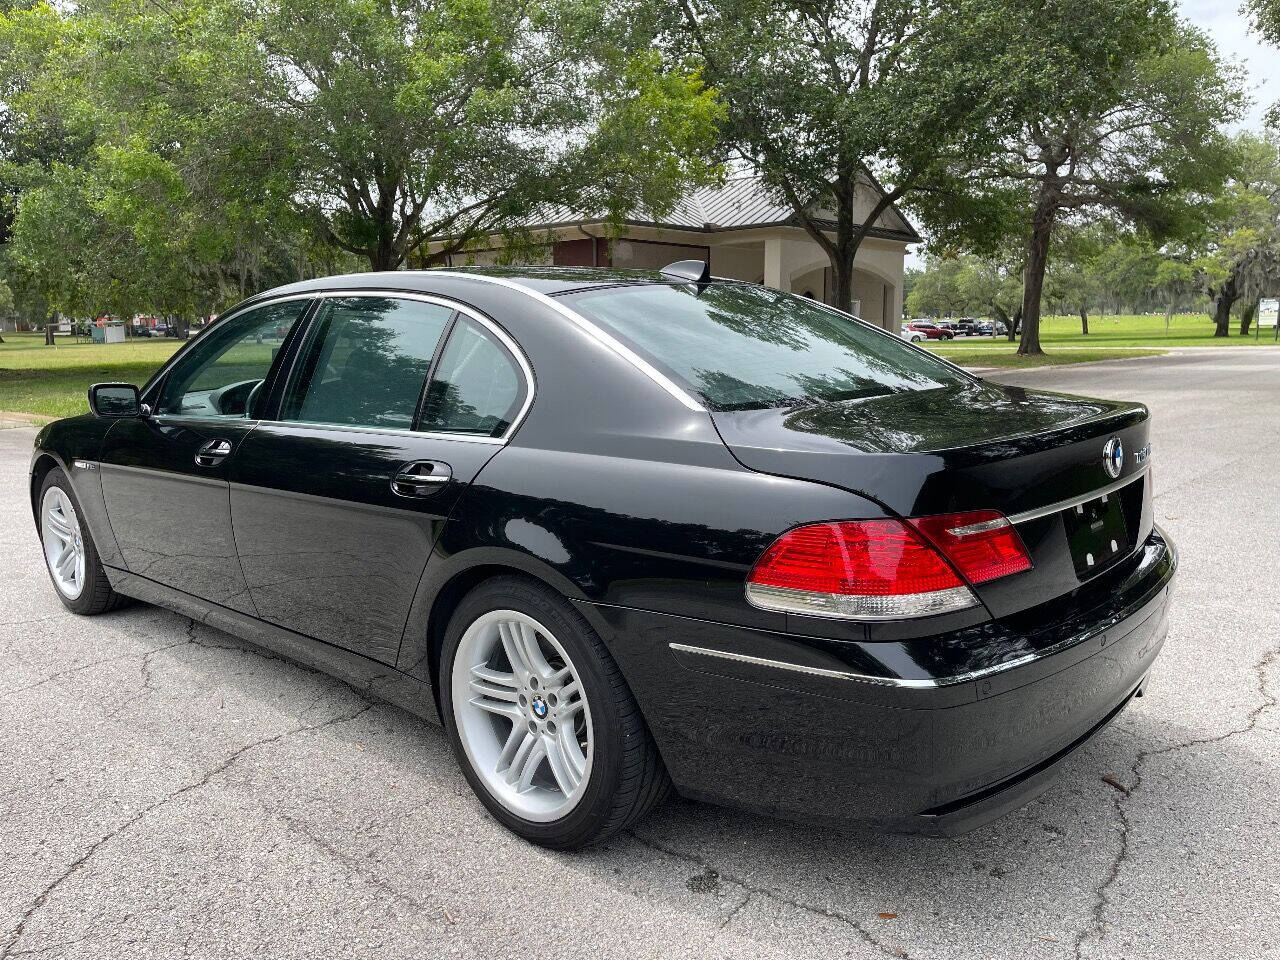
622 532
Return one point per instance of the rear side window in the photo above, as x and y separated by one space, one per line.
743 347
366 362
476 388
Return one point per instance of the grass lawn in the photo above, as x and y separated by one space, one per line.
53 381
1110 338
1007 356
1185 330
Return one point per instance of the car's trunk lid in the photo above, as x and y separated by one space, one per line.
969 446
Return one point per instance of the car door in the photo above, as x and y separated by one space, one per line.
395 404
164 475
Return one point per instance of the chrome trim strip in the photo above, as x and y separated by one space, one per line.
1061 505
801 668
932 684
598 334
384 431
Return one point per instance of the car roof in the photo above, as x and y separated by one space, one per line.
546 280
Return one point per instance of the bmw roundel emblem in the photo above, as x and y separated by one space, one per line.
1113 457
539 707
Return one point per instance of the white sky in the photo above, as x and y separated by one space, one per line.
1229 30
1223 22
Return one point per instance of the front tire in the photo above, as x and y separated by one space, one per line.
69 551
541 720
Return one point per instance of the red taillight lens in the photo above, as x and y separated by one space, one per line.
886 569
861 569
982 544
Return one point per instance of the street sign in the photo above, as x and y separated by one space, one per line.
1268 312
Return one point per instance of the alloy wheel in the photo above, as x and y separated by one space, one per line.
63 542
522 715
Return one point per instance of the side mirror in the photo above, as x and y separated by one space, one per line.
114 400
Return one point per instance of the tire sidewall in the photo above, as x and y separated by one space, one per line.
585 650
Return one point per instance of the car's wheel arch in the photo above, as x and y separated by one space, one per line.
42 465
447 580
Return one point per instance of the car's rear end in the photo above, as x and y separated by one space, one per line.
995 593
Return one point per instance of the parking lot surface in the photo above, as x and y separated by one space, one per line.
168 791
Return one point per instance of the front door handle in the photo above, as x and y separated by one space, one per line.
421 478
213 453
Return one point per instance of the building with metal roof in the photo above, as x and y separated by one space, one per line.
743 231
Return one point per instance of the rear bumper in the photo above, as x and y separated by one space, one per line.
763 722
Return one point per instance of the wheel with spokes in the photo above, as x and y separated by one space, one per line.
69 551
541 720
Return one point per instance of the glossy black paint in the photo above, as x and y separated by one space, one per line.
172 517
648 515
328 549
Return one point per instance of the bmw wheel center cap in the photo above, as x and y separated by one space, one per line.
539 708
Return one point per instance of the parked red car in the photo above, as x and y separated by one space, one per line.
931 331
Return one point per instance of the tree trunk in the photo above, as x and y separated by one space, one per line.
1222 303
1037 263
48 332
1246 318
842 285
1084 320
1015 323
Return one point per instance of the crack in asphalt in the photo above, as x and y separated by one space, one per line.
1098 931
751 890
146 657
303 829
15 934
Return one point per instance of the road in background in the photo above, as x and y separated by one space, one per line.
170 791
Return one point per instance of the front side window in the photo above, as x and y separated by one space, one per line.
476 388
223 374
366 362
744 347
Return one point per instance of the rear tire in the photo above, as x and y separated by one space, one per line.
541 720
71 556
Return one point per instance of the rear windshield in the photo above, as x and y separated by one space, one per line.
744 347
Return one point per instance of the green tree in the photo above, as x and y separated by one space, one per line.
1120 111
264 141
821 94
1239 258
1172 283
940 290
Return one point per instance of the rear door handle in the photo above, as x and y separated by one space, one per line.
213 453
421 478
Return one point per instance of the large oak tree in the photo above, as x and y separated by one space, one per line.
1120 110
821 94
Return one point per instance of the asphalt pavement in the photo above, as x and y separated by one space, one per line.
169 791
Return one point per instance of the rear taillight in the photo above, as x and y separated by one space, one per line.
982 544
885 569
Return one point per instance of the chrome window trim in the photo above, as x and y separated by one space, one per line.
596 332
1052 508
526 371
384 431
